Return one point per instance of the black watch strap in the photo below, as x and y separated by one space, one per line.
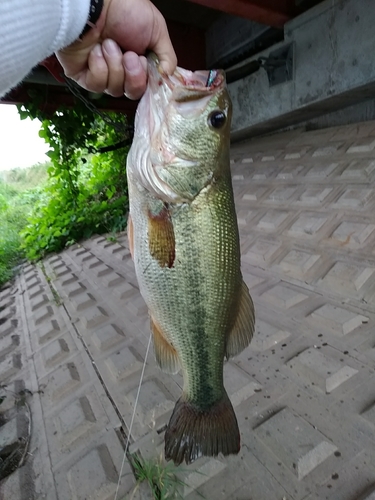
96 7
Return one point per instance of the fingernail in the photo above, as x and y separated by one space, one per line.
111 47
132 64
165 67
97 50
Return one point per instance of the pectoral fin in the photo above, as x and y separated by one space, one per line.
131 236
243 328
165 354
161 240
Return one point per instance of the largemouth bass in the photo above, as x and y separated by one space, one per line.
184 241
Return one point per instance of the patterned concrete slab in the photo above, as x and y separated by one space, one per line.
75 331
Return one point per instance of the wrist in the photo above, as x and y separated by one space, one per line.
96 21
95 10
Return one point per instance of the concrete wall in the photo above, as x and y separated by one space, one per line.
361 112
334 67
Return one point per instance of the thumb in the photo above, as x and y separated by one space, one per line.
162 46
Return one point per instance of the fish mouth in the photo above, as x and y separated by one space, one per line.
200 82
197 80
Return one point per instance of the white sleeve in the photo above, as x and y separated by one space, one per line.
31 30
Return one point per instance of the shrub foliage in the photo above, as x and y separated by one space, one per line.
86 191
83 190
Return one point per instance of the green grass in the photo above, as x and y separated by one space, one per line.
19 190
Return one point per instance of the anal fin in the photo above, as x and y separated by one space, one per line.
165 354
243 329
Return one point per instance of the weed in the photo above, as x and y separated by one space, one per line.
112 238
161 477
56 297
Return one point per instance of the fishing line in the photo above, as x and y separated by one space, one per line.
133 415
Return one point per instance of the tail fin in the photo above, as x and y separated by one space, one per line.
192 432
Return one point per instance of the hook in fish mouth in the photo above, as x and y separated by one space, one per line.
211 77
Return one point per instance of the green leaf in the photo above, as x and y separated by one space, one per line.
43 134
23 114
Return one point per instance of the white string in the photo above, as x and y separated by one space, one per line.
132 419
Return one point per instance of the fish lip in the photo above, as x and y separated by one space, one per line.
197 81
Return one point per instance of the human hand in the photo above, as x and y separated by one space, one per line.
97 63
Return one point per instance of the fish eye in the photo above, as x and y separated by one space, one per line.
217 119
